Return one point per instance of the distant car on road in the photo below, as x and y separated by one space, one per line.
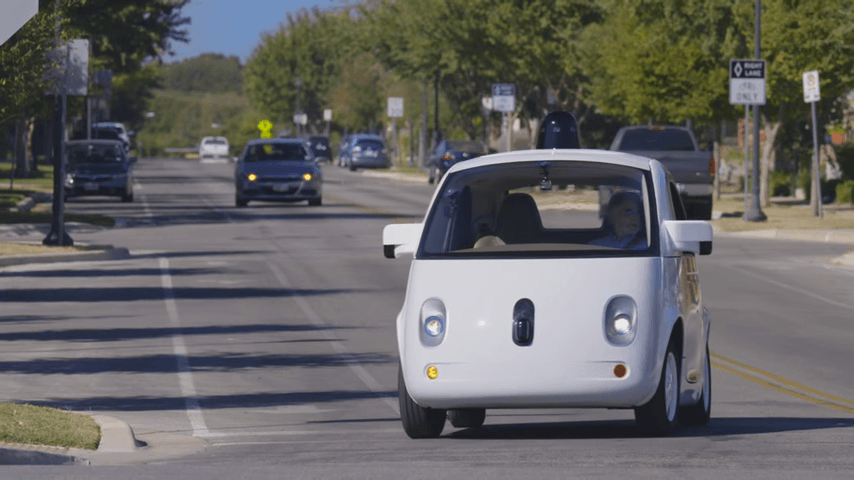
278 170
448 152
321 148
98 167
364 150
521 296
213 149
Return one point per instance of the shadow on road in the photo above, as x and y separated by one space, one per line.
131 294
718 427
243 401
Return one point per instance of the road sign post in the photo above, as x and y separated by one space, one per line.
395 111
504 101
747 87
812 94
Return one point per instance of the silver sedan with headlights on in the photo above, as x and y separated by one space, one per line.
277 170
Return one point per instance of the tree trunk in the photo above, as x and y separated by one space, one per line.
23 156
771 131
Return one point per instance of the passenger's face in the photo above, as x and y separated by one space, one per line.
625 219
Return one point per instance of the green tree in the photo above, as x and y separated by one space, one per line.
311 47
208 72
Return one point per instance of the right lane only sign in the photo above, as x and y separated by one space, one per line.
747 82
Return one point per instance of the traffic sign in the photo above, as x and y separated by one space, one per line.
503 97
395 107
301 118
327 115
747 82
265 125
812 89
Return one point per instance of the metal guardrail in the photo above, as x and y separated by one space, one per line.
181 149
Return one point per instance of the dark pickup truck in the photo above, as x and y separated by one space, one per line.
676 148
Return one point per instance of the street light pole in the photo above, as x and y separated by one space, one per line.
299 107
754 214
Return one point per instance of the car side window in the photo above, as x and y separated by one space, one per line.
676 202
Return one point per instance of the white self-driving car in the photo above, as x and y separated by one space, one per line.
553 278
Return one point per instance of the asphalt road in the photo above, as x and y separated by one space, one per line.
259 343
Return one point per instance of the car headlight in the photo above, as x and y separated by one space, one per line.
621 315
252 177
433 323
307 177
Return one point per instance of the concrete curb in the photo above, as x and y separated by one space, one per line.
818 236
106 252
116 437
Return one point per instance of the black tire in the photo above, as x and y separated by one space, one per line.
240 201
467 417
315 202
660 416
351 166
700 413
431 177
418 422
127 196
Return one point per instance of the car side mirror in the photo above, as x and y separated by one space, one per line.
690 235
401 239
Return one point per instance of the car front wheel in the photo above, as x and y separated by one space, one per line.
467 417
314 202
659 416
418 422
240 201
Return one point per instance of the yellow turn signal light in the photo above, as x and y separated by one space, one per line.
252 177
307 177
432 372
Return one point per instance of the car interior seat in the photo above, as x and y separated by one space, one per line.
519 220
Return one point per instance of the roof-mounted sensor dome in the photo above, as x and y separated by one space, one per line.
559 130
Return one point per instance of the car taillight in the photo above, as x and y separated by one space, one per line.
712 166
447 156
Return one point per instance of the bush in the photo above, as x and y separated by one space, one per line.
780 184
803 180
845 192
845 157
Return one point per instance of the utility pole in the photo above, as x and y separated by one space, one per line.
754 214
57 235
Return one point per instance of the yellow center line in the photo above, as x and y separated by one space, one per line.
783 385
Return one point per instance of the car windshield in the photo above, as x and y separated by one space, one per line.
106 134
464 146
276 152
652 139
369 144
92 153
537 209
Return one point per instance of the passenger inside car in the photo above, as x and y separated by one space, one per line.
624 223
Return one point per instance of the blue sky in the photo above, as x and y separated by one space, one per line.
234 27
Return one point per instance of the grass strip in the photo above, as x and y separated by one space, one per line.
32 425
7 217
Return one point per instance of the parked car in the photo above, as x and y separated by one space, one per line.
277 169
214 149
112 131
320 148
98 167
521 296
447 153
364 151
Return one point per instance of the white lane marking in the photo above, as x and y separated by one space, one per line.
185 377
339 347
793 289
